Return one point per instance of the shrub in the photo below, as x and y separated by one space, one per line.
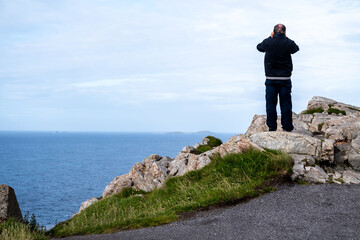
313 110
336 111
320 125
212 143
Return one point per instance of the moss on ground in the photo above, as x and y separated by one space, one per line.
313 110
336 111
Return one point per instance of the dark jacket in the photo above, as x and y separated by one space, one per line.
278 50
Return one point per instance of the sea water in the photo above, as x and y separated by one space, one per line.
54 172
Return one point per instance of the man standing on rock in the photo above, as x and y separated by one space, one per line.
278 67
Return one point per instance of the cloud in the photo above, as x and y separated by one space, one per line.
106 83
196 57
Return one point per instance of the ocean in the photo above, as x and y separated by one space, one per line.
54 172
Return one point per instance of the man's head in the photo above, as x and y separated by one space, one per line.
280 28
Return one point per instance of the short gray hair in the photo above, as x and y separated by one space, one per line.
280 28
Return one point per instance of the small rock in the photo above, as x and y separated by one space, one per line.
196 145
188 149
205 141
139 195
337 175
87 203
294 176
299 167
315 174
350 176
337 182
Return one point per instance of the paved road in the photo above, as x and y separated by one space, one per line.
292 212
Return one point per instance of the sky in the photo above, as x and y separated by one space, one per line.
160 66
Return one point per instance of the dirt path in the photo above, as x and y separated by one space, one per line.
325 211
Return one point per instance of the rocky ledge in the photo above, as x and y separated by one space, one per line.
325 147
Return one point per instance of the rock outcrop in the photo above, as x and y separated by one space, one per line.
325 147
146 175
152 172
9 207
332 140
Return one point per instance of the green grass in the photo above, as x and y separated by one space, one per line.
320 125
355 109
203 148
14 230
213 142
224 180
336 111
313 110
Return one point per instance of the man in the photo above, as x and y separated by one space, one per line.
278 67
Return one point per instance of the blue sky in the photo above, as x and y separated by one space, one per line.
162 66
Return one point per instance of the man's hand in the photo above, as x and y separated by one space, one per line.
272 34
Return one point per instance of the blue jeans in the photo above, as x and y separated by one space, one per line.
281 88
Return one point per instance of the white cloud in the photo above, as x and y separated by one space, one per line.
107 83
164 55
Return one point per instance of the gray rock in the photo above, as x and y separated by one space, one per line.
188 149
87 203
300 161
327 150
320 102
346 154
236 144
151 173
292 143
185 162
326 103
205 141
315 174
306 159
299 168
9 206
116 185
146 175
196 145
257 125
351 177
295 176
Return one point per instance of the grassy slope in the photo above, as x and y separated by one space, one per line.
13 230
234 177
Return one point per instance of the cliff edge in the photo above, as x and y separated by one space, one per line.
325 147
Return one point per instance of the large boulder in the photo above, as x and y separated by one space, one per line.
9 207
292 143
187 161
331 137
326 103
146 175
